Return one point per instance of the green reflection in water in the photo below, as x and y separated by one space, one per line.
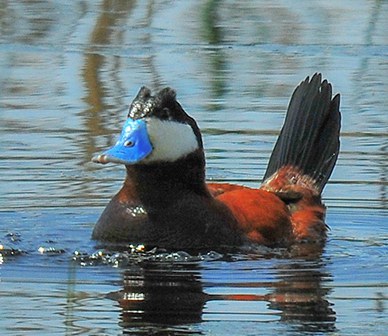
212 34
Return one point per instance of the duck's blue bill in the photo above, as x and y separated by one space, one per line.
132 146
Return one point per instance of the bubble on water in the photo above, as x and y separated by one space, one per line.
50 250
212 256
9 252
101 257
13 237
138 255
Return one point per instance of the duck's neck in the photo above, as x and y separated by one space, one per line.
158 186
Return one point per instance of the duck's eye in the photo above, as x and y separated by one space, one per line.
128 143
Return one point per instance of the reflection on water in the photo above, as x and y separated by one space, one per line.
68 73
174 295
302 298
162 294
176 291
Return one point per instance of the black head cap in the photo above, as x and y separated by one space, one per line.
163 105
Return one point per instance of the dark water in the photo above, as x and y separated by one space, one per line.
68 70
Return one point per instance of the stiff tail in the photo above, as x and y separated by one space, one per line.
309 139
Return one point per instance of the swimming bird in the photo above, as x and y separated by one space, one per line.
166 202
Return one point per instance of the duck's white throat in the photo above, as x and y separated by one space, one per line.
170 140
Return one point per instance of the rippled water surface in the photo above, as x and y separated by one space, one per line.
69 69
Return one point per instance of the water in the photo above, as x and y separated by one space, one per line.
68 73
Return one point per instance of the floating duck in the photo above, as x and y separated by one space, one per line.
166 202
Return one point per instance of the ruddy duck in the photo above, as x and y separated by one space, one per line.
166 202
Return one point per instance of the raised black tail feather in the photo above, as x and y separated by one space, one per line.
309 139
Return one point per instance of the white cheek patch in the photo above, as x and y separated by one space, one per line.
170 140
